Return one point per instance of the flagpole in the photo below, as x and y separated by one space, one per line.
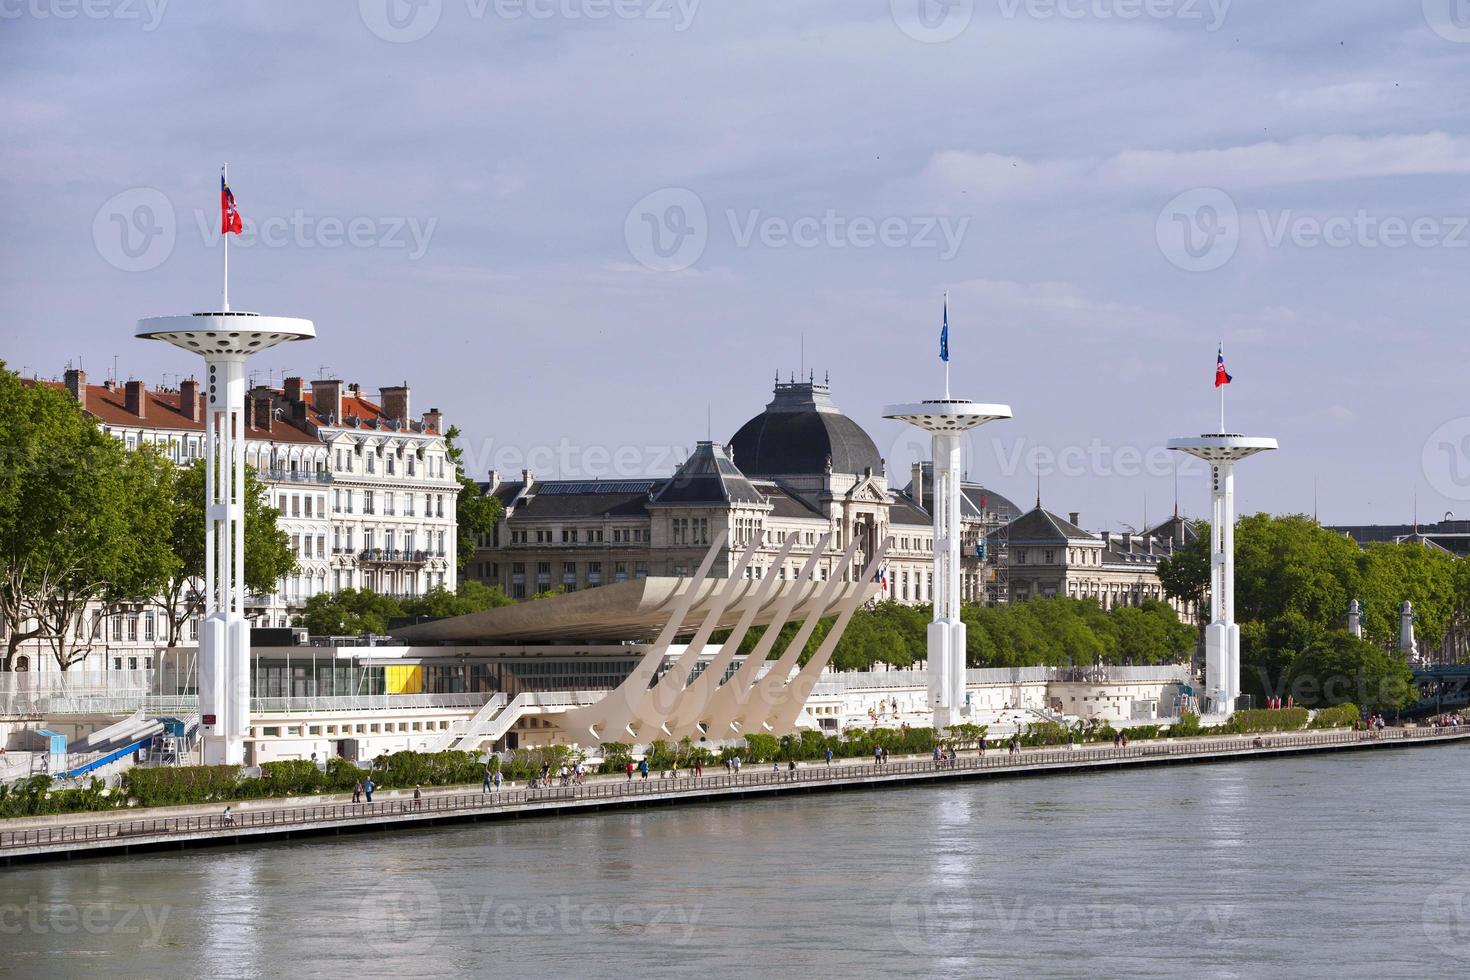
946 349
225 234
1222 395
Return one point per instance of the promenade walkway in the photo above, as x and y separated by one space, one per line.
83 835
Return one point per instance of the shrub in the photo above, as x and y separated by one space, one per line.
173 786
1266 720
1187 725
1338 716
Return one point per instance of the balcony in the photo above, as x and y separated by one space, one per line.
295 476
383 556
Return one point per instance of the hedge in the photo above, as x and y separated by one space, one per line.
1338 716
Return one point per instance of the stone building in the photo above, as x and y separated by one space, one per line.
799 467
365 491
1050 555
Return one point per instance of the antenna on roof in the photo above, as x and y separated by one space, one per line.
802 364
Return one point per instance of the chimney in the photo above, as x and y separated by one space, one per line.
1107 537
434 421
1075 517
326 398
1127 540
493 484
189 405
394 402
76 383
528 478
261 402
916 477
295 387
135 399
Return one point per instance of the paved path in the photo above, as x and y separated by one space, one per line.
85 835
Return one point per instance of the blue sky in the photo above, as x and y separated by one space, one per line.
592 230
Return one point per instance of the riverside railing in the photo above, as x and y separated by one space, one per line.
814 775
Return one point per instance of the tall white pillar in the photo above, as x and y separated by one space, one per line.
225 340
946 419
1222 635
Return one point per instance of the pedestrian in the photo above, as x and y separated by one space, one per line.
357 791
643 768
497 780
829 756
228 818
698 769
418 799
877 756
791 768
367 789
630 770
885 755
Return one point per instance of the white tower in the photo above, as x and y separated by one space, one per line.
226 340
946 418
1222 637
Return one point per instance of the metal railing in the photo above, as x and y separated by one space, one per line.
392 556
813 775
296 476
367 702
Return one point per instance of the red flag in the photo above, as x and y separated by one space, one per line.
1221 378
229 214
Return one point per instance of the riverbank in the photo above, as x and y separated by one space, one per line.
166 828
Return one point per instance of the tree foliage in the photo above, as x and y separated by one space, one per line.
82 520
268 555
475 513
353 612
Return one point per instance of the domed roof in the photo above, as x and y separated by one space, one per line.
799 433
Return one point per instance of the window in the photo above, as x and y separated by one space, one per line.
1049 557
594 574
367 500
147 626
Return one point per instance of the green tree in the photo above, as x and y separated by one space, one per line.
471 597
475 513
82 520
350 612
1339 668
268 555
1185 575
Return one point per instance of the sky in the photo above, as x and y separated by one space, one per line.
593 231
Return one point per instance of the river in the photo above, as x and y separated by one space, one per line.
1328 866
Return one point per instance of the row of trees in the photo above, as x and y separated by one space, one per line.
353 612
88 524
1293 582
1056 631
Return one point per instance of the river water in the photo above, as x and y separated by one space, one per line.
1322 866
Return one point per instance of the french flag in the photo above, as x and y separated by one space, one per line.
1222 377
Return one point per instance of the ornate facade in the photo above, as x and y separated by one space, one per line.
799 468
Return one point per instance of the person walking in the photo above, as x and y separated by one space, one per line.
418 798
630 770
828 754
698 768
357 791
367 789
228 818
877 756
497 780
643 768
485 786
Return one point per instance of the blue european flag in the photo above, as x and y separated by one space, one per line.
944 334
